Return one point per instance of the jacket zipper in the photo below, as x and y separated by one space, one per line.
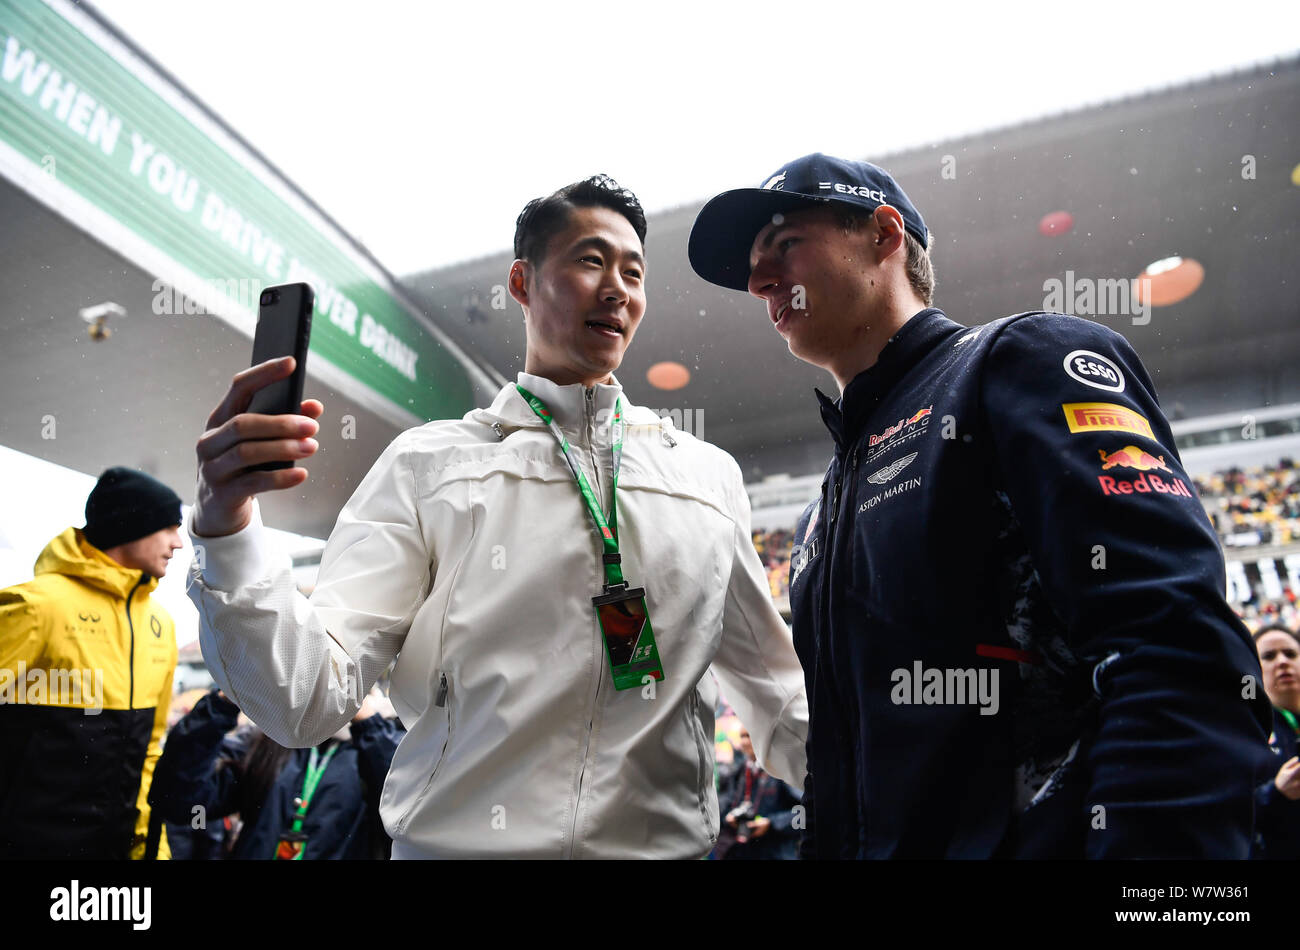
130 702
835 496
589 403
844 464
441 701
851 506
703 776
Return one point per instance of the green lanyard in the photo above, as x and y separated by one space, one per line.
608 527
1289 716
316 767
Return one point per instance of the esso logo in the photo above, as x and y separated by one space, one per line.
1093 369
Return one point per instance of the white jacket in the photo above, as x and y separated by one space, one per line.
468 555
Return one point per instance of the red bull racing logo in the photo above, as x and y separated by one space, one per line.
1143 462
901 431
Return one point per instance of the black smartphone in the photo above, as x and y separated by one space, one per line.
283 329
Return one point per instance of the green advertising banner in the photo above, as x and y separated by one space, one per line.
96 133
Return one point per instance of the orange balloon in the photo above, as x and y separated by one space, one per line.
1171 286
668 375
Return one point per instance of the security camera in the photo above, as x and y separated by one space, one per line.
98 316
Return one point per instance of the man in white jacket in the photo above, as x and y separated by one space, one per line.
472 552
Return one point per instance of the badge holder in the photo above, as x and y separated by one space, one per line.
629 638
290 846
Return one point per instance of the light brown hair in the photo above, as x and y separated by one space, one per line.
920 269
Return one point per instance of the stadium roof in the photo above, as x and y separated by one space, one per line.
1205 171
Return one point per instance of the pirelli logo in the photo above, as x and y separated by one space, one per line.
1105 417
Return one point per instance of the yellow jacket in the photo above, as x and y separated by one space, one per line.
86 664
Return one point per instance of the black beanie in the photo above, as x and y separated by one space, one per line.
126 505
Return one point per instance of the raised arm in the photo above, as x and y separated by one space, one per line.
299 669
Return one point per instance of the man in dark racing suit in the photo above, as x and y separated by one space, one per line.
1008 598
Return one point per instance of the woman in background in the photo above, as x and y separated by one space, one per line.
1277 821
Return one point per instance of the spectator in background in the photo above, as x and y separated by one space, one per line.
296 804
758 812
76 755
211 840
1277 820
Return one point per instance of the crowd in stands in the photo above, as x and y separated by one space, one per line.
1254 506
773 549
1263 613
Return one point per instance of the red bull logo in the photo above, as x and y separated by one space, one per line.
1145 484
1132 457
899 426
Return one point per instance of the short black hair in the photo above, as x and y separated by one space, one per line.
543 218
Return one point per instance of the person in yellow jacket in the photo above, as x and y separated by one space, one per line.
86 664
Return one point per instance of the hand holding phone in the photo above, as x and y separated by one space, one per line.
283 329
262 426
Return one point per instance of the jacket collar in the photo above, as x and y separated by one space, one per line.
568 404
845 417
71 554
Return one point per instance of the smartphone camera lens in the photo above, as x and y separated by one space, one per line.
266 297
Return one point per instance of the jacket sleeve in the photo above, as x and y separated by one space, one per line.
162 706
1133 570
187 776
22 632
756 663
1277 822
300 669
376 739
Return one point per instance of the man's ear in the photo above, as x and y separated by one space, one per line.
887 230
521 275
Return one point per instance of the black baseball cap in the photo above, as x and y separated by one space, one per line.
725 229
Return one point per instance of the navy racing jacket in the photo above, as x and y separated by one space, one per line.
1008 603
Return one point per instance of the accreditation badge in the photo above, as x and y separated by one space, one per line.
629 638
290 846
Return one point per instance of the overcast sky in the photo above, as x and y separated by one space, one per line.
423 128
